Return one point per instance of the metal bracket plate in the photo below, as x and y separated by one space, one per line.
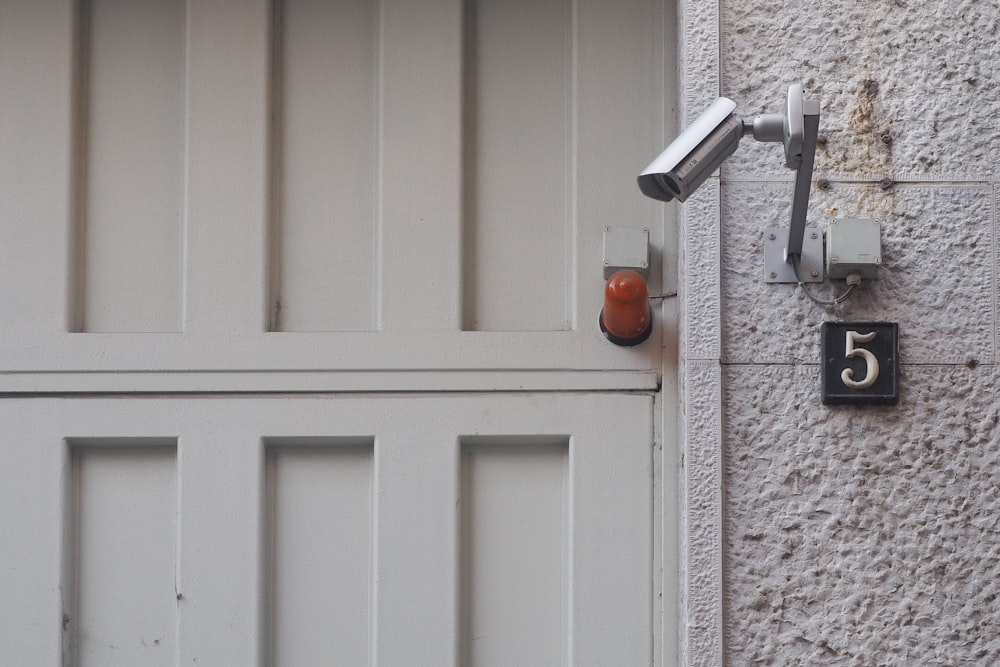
777 270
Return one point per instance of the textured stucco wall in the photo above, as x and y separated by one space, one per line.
842 535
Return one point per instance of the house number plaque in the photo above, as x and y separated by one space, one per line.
860 363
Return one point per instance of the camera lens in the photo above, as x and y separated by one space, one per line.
668 182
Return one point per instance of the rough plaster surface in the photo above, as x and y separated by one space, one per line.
699 289
703 502
862 537
845 536
702 290
918 74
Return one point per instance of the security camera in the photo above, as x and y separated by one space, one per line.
695 154
714 135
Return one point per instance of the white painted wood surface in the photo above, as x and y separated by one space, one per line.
129 195
251 527
456 223
318 546
519 110
122 500
515 580
323 152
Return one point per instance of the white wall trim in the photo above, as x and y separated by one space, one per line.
700 348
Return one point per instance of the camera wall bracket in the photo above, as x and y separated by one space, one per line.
799 135
777 265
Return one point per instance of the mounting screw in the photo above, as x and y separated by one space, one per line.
773 275
605 263
644 265
771 236
878 260
607 228
815 274
814 236
833 260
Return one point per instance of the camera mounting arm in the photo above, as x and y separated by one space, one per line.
808 113
798 130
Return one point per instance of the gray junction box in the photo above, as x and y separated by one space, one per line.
853 245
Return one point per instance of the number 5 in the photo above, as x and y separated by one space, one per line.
871 363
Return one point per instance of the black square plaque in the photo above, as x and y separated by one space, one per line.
860 363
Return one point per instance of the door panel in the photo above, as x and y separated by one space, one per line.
292 185
317 541
129 165
514 544
123 504
323 151
518 115
432 530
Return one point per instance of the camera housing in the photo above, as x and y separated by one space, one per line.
715 135
694 155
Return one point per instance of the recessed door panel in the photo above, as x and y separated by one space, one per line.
123 500
130 127
318 570
515 576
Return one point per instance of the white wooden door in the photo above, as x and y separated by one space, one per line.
299 356
417 530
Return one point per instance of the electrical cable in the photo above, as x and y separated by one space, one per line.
853 280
